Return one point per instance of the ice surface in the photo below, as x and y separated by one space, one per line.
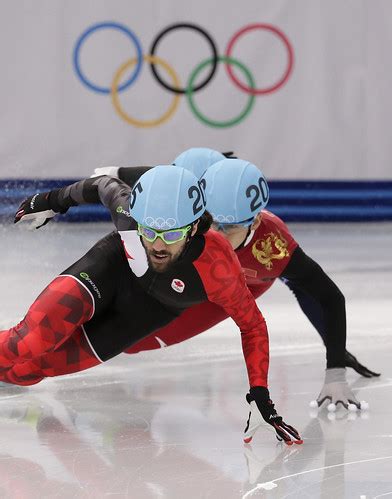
168 423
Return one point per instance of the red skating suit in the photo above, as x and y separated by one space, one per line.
262 259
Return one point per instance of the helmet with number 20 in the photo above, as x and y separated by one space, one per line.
236 191
167 197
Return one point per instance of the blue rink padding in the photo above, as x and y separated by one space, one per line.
294 201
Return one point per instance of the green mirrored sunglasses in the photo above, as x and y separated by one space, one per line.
167 236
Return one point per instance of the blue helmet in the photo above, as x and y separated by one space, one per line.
167 197
236 191
198 159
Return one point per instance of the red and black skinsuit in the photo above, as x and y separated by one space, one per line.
270 253
110 299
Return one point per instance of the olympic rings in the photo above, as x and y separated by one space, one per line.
233 121
283 79
160 223
174 86
116 103
214 56
223 219
90 31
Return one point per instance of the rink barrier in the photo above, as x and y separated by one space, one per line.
294 201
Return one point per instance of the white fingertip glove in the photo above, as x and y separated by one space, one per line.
36 208
262 413
336 390
111 171
39 219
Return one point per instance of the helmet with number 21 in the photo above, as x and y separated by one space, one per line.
167 197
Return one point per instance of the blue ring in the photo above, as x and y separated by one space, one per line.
88 32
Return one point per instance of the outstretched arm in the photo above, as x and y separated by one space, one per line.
324 304
109 191
327 316
224 283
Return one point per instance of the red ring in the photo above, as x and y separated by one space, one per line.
290 51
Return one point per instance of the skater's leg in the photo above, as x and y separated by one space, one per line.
59 310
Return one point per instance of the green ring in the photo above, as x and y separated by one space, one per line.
199 115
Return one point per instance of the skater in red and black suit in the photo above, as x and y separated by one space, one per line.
161 260
267 251
270 253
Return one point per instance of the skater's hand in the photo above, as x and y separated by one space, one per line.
263 413
35 208
111 171
352 362
336 391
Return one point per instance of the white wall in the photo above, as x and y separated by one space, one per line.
330 120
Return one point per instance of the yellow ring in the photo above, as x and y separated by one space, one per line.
116 102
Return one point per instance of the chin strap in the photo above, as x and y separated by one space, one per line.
248 238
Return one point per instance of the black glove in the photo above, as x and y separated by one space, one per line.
263 413
352 362
37 209
229 155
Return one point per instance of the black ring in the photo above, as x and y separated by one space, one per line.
214 57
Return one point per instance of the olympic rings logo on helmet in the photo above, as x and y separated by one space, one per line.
175 86
223 219
160 223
